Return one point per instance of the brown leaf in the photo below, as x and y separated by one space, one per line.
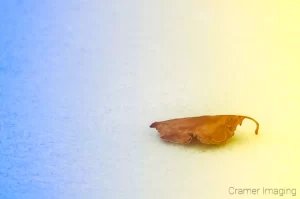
210 129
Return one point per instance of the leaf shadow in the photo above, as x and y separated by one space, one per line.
198 146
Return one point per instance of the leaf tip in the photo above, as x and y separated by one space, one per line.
153 125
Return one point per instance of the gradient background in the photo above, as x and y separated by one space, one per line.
82 80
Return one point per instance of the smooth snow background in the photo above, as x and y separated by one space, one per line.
81 81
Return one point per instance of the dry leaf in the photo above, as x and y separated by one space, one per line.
210 129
